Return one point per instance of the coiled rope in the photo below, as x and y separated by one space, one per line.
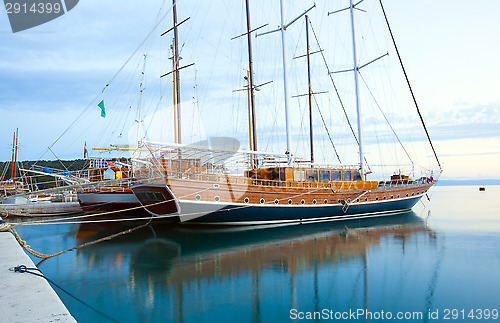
23 269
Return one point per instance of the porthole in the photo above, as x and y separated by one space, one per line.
262 201
289 201
413 193
216 199
366 199
339 201
392 196
314 202
357 200
302 202
216 185
406 194
246 200
398 195
376 199
276 201
325 201
197 197
384 197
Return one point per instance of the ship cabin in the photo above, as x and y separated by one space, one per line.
100 169
340 179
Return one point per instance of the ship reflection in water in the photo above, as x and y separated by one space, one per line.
184 273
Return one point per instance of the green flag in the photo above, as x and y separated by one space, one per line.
103 110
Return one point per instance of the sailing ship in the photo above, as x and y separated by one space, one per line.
13 186
205 183
109 190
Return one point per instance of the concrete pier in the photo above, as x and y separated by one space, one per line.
25 297
40 209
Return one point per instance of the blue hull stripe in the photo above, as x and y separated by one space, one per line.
235 214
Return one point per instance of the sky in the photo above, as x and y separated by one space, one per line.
52 78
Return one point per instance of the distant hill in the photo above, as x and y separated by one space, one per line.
468 182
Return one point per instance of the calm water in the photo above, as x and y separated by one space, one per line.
436 259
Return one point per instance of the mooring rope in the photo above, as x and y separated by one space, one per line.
4 227
23 269
11 227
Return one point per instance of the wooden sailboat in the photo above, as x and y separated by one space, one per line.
13 186
206 183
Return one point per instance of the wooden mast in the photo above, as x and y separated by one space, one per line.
177 103
12 162
253 134
285 84
174 94
250 114
309 91
356 87
15 159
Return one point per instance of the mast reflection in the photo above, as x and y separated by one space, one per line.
191 271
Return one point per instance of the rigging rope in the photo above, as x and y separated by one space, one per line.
409 86
92 102
334 86
337 92
326 128
383 114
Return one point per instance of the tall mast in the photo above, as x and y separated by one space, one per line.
177 103
356 87
309 94
12 161
174 94
15 158
285 83
250 114
252 124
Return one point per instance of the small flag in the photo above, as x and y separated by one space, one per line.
85 152
103 110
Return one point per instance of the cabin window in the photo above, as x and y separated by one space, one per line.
356 176
346 175
151 196
299 175
324 176
336 175
312 175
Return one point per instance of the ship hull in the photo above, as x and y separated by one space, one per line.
111 203
295 205
242 214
